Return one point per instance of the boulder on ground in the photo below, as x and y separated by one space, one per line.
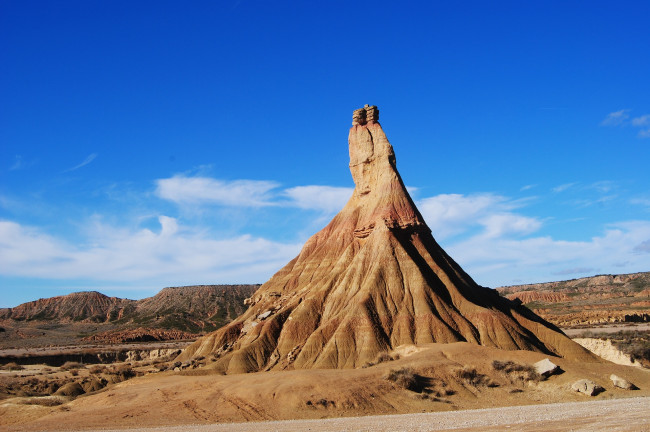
587 387
621 382
546 368
72 389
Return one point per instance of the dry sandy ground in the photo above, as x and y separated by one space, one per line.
173 401
606 415
608 328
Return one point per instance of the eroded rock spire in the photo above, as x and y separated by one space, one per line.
373 279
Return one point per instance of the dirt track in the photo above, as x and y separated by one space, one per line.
604 415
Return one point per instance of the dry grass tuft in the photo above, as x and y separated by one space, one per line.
12 366
97 369
47 401
72 365
517 371
404 377
381 358
474 378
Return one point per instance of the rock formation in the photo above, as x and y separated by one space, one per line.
373 279
189 308
90 306
591 300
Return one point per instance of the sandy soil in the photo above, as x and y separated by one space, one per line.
179 399
606 415
609 328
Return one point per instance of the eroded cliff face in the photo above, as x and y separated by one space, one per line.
591 300
373 279
89 306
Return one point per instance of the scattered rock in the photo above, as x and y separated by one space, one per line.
621 382
264 315
587 387
546 368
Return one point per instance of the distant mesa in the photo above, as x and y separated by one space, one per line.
373 279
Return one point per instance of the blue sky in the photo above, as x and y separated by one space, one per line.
161 143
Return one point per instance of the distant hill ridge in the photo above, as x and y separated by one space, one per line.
586 301
189 308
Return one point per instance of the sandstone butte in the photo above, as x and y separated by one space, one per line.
373 279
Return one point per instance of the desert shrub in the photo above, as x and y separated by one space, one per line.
518 371
640 352
321 402
124 371
72 365
381 358
403 377
97 369
12 366
633 342
501 366
48 401
474 378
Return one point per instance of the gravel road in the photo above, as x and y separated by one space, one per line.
631 414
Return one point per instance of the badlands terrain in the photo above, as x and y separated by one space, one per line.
589 301
371 318
84 318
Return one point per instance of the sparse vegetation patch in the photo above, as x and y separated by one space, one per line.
403 377
12 366
474 378
517 371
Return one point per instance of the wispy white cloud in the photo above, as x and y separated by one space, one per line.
622 118
327 199
502 224
575 271
586 202
502 260
200 190
643 247
488 234
641 201
205 190
18 163
527 187
451 214
91 157
603 186
644 120
175 254
563 187
616 118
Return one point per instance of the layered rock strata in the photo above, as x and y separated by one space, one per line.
373 279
